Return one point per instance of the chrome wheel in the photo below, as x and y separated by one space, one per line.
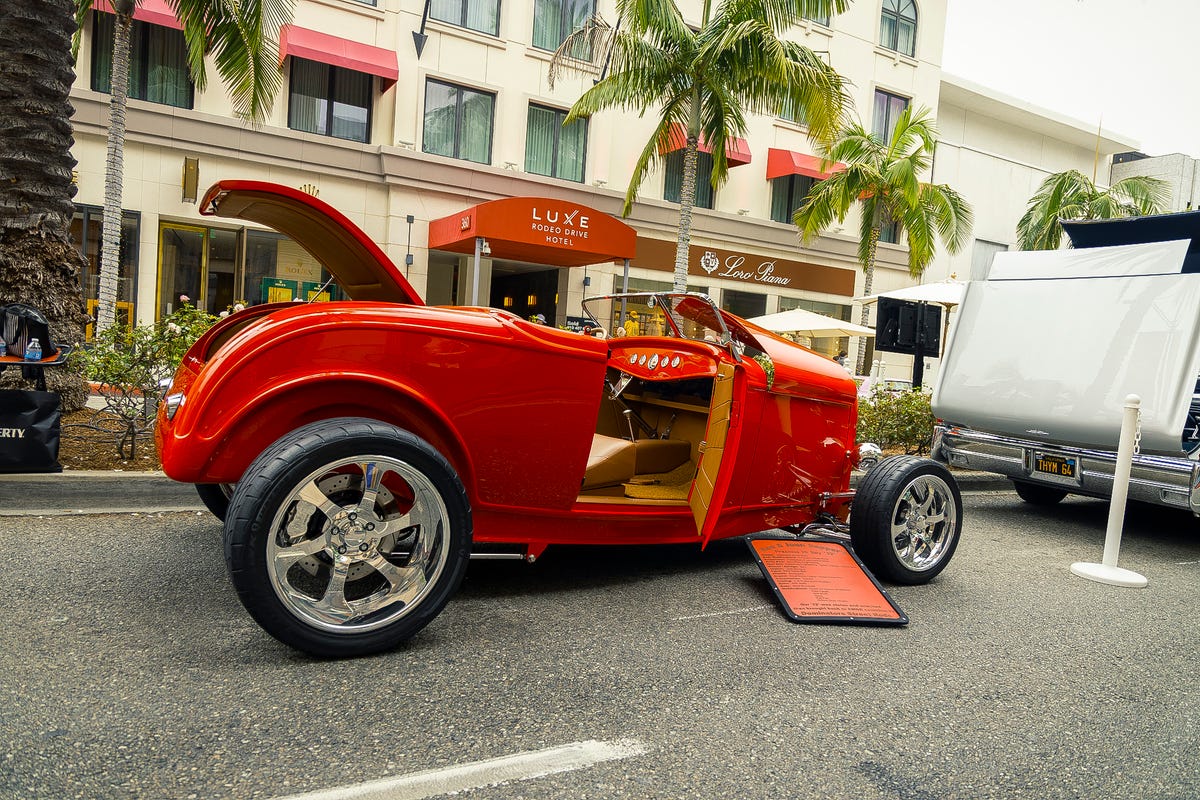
923 523
358 543
906 518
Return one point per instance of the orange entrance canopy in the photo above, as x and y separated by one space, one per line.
538 230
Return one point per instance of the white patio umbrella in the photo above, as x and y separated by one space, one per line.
810 323
947 293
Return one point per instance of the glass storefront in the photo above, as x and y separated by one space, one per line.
640 319
830 346
86 229
216 268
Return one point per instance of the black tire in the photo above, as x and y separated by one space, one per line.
906 519
330 571
215 497
1038 495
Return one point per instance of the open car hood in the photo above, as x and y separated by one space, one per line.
358 265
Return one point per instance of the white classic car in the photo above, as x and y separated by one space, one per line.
1043 354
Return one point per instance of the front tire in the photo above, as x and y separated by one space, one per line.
906 519
347 537
1037 495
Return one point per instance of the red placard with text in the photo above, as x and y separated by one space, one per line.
819 580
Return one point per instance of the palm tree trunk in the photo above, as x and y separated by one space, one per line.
38 264
687 199
868 282
114 173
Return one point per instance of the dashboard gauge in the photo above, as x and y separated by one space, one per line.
654 361
675 361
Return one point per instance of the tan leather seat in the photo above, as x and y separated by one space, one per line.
611 462
660 455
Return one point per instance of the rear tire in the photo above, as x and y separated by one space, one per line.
1038 495
906 519
215 497
347 537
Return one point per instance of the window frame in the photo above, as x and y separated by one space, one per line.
458 120
139 49
792 200
669 162
464 16
885 132
898 18
559 115
563 30
331 72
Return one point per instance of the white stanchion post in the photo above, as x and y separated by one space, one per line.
1108 571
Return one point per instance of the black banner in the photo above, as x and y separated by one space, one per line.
30 424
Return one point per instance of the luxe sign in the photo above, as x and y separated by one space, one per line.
559 226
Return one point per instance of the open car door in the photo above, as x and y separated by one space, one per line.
714 471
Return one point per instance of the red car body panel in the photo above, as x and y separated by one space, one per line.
512 405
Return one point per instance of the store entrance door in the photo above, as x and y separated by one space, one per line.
525 290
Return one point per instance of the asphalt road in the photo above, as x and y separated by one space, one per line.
128 669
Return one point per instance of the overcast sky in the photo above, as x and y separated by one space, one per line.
1134 63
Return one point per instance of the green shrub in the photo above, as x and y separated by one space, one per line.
127 365
900 421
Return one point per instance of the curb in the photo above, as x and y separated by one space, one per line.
74 492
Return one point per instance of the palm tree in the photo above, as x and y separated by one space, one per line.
1070 195
884 178
243 38
38 264
705 80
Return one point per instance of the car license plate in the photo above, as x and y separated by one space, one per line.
1056 466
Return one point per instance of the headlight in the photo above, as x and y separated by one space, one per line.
173 401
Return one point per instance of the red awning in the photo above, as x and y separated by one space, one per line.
338 52
737 151
537 230
789 162
155 12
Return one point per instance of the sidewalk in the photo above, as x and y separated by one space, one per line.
115 492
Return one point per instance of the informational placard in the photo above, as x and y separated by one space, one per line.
821 580
278 290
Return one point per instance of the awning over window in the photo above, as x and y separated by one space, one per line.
338 52
789 162
155 12
737 151
537 230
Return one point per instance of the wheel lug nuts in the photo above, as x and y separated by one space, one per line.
370 526
364 547
342 550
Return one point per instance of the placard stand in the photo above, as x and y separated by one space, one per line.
822 580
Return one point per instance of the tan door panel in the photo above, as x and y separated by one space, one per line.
712 449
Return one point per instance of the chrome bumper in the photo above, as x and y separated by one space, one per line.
1161 480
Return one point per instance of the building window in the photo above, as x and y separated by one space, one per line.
744 304
898 26
330 101
889 231
476 15
674 183
458 122
820 19
551 149
787 193
158 70
86 229
888 108
554 20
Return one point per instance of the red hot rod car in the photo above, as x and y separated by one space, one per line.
361 451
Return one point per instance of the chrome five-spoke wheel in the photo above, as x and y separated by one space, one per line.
906 519
346 537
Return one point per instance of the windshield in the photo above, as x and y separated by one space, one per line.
682 315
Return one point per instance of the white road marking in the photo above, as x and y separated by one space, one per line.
477 774
722 613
